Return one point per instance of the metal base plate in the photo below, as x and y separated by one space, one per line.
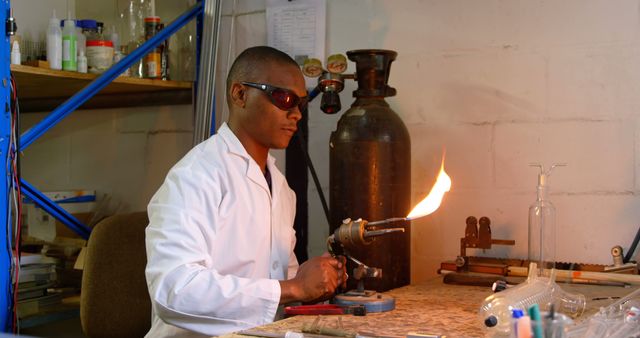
373 302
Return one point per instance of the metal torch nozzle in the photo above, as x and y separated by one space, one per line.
380 232
352 234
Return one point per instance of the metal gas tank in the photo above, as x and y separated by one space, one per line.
370 169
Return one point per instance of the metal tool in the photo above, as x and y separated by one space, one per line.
355 234
477 238
619 265
326 309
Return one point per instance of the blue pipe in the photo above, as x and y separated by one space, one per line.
103 80
54 209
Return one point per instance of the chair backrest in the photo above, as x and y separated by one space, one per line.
114 300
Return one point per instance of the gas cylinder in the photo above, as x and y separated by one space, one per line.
370 169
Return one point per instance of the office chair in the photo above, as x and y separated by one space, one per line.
114 300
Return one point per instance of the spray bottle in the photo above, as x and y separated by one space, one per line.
54 43
542 224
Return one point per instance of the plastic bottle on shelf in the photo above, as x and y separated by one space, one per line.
81 39
69 45
54 43
542 224
153 60
15 53
82 63
134 36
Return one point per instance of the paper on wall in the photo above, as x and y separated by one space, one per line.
298 28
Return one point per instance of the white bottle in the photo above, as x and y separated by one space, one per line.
82 62
69 44
81 39
54 43
15 53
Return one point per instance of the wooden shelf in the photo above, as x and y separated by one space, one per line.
43 89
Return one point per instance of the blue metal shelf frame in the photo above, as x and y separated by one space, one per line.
49 122
5 131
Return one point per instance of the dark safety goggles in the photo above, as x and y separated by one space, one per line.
282 98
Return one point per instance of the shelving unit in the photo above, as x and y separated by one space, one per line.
60 93
43 89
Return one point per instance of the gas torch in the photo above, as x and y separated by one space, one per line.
357 233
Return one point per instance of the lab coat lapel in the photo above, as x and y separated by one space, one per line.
279 247
253 172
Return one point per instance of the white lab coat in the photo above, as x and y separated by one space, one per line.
218 241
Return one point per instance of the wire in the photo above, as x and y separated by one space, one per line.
14 199
632 248
314 175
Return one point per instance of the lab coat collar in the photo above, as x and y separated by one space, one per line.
253 172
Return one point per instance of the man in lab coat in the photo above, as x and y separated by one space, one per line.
220 237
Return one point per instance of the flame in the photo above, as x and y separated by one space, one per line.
432 202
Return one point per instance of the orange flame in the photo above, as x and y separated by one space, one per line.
432 202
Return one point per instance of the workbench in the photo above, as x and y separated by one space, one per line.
436 308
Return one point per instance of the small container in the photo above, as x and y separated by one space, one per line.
90 30
15 53
81 39
99 55
82 62
164 56
100 26
153 60
117 56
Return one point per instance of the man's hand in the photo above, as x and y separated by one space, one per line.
317 279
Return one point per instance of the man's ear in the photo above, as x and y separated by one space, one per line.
238 95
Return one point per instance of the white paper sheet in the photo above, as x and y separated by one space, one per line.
298 28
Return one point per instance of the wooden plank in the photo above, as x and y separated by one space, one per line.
42 89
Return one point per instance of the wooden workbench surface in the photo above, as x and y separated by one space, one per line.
435 308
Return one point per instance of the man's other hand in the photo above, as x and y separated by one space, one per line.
317 280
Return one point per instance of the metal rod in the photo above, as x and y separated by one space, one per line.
103 80
380 232
356 261
205 91
54 209
389 220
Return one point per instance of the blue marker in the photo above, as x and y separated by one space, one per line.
515 314
534 313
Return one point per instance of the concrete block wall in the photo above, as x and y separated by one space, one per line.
498 85
122 153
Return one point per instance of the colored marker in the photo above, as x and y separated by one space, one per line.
534 313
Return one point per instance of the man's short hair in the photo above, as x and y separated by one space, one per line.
252 61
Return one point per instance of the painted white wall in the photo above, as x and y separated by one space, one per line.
122 153
32 16
500 85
